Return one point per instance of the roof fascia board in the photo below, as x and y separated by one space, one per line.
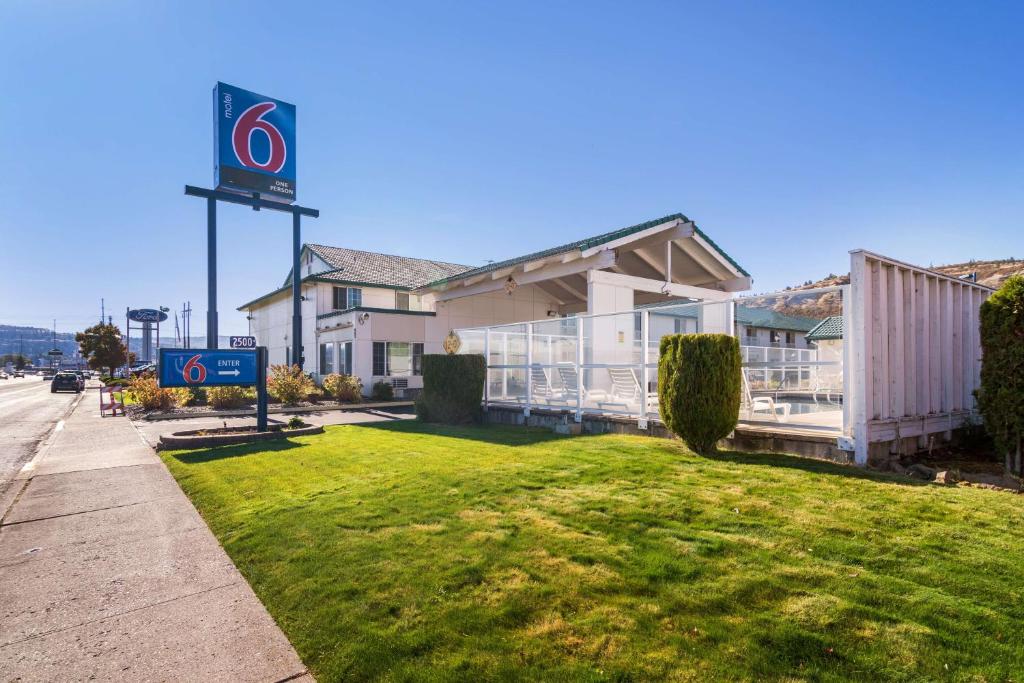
604 259
642 235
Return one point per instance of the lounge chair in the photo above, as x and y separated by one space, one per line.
763 404
626 389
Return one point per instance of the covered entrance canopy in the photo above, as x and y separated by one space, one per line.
663 259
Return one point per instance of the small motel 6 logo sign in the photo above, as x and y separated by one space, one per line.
254 143
207 367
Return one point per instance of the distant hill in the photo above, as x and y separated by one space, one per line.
989 273
35 342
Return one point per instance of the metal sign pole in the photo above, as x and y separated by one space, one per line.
261 388
255 202
211 272
296 291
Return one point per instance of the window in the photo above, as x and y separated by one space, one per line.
346 297
773 336
402 301
345 358
751 332
397 359
327 358
790 338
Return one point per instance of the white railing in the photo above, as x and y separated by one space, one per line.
608 364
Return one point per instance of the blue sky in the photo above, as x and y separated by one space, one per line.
790 132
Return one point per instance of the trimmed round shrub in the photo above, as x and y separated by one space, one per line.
1001 395
699 385
343 388
453 388
382 391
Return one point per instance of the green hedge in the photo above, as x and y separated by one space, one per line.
453 388
699 385
1001 395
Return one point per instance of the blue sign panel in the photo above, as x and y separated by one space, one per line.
207 367
253 143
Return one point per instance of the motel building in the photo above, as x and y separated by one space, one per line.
857 372
374 315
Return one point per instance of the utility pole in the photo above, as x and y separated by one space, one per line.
102 311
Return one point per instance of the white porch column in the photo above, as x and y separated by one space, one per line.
606 297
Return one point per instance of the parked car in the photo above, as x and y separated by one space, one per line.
65 381
81 378
3 375
19 373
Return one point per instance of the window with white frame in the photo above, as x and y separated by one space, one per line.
327 358
397 359
346 297
345 358
402 301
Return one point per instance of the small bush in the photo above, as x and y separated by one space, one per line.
289 384
296 423
315 397
699 385
344 388
382 391
1001 395
225 398
144 390
453 388
181 396
198 396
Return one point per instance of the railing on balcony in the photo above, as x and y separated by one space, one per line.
608 364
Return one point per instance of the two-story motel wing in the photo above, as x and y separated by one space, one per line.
374 315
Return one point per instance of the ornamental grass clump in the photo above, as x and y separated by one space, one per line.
289 384
699 384
224 398
343 388
147 393
1001 395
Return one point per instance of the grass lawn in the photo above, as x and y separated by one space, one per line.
400 551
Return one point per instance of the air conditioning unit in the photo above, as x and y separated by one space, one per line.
399 384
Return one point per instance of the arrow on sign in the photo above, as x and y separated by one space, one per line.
236 373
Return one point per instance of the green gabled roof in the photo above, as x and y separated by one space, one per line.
765 317
589 243
829 328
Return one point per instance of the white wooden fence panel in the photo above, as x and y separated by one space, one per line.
916 351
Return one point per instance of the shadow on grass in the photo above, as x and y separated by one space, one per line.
795 462
237 451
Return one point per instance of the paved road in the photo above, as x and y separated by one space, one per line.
28 412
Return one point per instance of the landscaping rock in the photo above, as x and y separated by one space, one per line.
921 471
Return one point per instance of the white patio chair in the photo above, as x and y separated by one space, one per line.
763 404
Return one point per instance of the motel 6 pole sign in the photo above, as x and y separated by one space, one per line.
254 143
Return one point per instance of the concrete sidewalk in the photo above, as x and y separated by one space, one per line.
107 572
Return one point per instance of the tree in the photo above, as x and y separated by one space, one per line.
102 345
1001 395
18 360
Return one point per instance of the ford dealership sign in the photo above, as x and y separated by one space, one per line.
254 143
146 315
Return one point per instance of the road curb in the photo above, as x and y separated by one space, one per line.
24 475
